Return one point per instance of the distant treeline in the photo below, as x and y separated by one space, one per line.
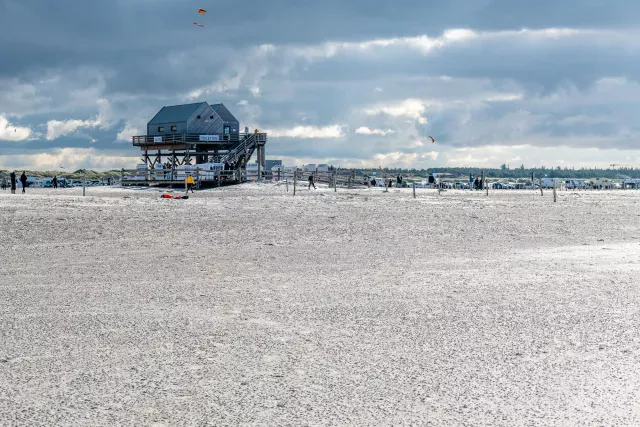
521 172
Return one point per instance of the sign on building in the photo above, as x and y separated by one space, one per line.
157 139
209 137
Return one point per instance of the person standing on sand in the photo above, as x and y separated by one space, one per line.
190 183
13 182
54 181
23 181
311 182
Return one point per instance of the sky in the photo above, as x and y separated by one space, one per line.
351 83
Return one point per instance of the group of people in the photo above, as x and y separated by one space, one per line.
478 183
12 180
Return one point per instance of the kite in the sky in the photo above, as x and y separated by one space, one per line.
199 25
202 11
432 140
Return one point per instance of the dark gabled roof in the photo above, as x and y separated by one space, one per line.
223 113
176 113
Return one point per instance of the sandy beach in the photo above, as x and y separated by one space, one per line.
246 306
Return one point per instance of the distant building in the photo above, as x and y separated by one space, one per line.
268 164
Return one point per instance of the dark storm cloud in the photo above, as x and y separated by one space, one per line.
103 31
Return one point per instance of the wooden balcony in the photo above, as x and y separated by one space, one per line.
184 139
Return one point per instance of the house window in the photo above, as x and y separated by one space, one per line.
198 117
160 128
174 128
211 117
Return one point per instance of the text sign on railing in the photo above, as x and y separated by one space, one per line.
209 137
157 139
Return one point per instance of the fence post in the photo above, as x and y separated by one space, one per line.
335 181
349 183
295 181
414 190
286 182
554 192
84 184
484 182
540 183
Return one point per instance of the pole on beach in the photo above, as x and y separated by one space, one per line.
349 183
295 181
84 184
414 190
554 191
335 181
484 183
286 182
540 183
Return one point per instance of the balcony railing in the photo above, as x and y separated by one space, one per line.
185 138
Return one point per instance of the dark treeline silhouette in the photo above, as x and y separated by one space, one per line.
521 172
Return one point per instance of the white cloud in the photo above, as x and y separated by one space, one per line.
403 159
506 97
58 128
70 158
378 89
255 91
10 132
131 129
363 130
409 108
427 45
307 132
104 119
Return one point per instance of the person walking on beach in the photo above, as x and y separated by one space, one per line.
470 181
432 180
54 181
190 183
23 181
13 182
311 182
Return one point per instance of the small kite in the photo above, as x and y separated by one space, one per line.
199 25
432 140
202 11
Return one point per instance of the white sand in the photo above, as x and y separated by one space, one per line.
246 306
